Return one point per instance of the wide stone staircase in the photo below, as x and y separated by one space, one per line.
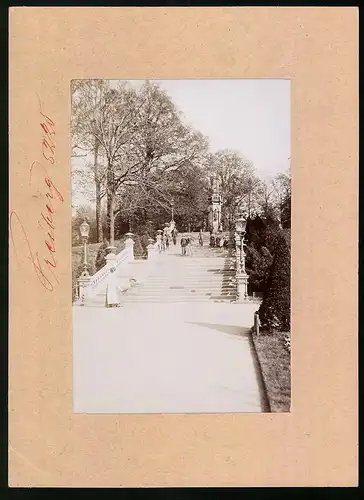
206 276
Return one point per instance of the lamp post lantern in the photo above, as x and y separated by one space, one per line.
85 231
240 225
242 277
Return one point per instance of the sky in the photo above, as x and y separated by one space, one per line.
250 116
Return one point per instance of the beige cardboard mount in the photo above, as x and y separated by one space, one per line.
314 445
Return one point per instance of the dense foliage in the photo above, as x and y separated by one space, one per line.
134 155
275 310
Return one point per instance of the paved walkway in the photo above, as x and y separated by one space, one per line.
165 358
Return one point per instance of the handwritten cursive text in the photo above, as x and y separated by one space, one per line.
42 188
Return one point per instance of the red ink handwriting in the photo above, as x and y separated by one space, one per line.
48 129
46 190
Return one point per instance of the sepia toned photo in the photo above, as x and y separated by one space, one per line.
181 246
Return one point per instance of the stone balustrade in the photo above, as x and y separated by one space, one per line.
88 285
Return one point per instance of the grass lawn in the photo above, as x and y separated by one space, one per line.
275 362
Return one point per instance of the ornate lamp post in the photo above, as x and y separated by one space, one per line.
84 280
242 277
85 231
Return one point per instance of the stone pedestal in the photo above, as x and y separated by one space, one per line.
129 246
151 249
83 283
111 260
242 282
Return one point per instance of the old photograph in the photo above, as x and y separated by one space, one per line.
181 245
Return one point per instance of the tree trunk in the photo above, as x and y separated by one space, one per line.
109 195
112 219
99 231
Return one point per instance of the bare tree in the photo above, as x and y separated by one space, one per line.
87 99
143 136
237 181
282 195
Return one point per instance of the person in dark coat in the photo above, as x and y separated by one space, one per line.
183 244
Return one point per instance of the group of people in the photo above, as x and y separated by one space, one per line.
218 241
168 236
186 244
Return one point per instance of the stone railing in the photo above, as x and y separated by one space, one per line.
89 285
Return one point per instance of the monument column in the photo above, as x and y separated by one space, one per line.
215 207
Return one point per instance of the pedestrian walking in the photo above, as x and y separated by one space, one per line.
112 296
200 238
188 246
183 244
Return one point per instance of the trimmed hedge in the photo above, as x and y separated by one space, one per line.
275 310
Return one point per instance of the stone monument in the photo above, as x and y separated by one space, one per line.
215 207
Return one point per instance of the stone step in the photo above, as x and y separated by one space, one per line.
178 299
175 290
206 275
180 295
208 272
182 286
180 291
161 300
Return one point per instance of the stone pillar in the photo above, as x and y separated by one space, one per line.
151 249
129 246
83 283
111 260
242 281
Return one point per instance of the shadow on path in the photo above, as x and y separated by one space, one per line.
238 331
244 332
